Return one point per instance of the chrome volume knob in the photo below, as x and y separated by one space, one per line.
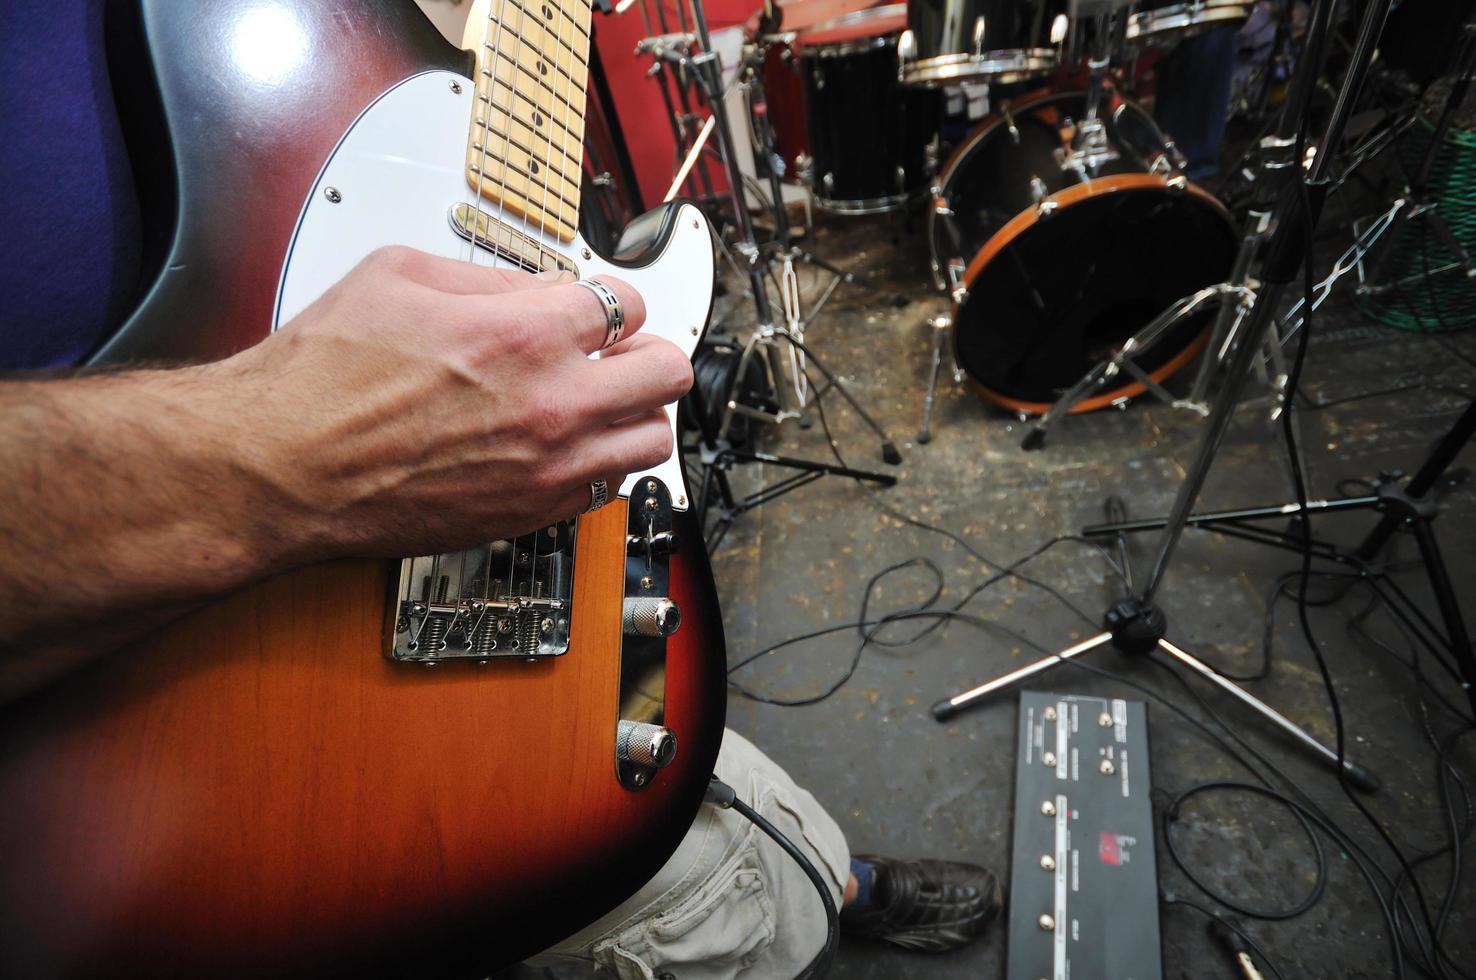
648 616
646 745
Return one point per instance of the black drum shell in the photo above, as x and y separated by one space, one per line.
943 34
868 133
1048 297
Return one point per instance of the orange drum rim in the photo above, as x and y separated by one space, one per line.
1130 390
1027 219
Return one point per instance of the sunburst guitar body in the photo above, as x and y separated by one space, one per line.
423 768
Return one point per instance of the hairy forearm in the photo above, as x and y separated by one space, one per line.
129 498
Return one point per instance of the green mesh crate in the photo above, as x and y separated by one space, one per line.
1435 295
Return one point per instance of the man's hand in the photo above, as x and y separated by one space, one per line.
423 405
420 405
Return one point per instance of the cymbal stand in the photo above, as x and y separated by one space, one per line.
783 251
1136 624
716 455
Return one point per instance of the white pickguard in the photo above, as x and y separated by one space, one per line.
398 171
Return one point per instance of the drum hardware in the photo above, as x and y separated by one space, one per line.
1275 158
722 437
941 327
777 349
675 82
1040 260
948 42
1136 625
1420 206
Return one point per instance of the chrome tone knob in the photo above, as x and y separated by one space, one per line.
644 745
646 616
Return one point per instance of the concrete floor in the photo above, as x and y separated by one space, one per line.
902 784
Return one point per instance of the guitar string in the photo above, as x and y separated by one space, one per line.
551 10
468 199
511 99
473 216
519 42
561 49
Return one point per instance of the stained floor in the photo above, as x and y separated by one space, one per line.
903 784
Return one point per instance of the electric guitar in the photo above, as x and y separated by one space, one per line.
429 768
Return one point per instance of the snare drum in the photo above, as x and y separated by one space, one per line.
1164 22
954 41
1054 268
868 134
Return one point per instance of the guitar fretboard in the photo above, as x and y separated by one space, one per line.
526 145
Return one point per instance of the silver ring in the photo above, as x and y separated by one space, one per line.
599 496
614 312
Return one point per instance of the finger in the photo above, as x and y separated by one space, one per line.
641 377
475 278
631 343
580 311
632 445
577 501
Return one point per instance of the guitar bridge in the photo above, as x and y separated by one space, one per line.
510 598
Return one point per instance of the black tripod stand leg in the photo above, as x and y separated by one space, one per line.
889 449
1450 609
1424 480
1357 775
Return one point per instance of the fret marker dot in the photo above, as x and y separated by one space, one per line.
533 166
538 119
542 68
547 11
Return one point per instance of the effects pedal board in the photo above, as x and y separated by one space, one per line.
1083 883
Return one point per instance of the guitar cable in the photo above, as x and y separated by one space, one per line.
723 796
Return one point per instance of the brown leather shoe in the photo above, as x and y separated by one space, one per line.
925 905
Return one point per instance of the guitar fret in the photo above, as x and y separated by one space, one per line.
539 135
514 31
523 169
503 55
580 29
526 147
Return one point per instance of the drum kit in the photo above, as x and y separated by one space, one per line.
1059 227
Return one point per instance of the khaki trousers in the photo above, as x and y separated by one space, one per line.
730 903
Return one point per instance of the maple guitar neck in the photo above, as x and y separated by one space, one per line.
525 148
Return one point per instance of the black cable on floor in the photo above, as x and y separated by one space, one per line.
1213 916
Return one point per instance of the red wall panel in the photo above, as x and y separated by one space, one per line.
638 99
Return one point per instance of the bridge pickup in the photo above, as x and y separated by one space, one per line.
507 599
502 240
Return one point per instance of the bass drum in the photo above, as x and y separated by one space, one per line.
1057 266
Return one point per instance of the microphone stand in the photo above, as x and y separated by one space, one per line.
1135 624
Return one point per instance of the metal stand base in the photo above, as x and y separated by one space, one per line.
1234 297
730 507
1407 506
1139 628
940 325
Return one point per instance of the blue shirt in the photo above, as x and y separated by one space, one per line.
69 218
